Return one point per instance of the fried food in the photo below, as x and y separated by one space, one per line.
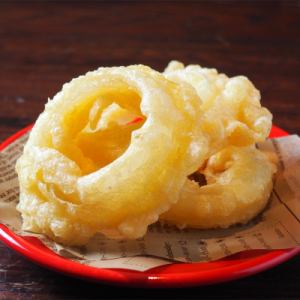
233 113
114 151
237 186
239 177
110 153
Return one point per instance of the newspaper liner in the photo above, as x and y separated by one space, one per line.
278 227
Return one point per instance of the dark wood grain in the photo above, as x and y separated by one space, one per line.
44 44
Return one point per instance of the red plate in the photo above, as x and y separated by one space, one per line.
174 275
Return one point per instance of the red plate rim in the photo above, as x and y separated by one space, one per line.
174 275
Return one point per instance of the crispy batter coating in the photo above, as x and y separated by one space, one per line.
87 167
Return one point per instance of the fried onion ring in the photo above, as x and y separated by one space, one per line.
239 183
234 115
87 167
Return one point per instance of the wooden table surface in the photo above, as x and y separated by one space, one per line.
44 44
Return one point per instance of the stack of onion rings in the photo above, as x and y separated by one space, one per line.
113 150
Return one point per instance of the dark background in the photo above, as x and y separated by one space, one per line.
44 44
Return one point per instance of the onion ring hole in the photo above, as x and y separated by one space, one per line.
101 128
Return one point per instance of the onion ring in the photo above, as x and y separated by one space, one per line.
234 115
239 183
87 168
